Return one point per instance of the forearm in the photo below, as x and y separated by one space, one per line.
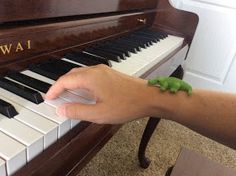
212 114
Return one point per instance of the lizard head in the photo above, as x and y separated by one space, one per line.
160 79
156 81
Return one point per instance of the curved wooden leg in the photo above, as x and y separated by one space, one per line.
150 127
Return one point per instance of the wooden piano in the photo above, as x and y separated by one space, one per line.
138 37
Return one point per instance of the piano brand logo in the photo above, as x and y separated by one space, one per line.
18 47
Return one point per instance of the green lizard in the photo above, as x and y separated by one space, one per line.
171 83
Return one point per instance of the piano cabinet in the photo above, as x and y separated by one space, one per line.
32 32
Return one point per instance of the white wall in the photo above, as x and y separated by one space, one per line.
211 59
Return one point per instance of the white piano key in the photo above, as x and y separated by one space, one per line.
85 94
73 62
42 109
74 122
35 121
55 102
31 138
68 96
13 152
38 76
3 170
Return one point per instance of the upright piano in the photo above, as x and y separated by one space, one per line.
42 40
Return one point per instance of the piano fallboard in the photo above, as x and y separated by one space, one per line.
24 44
21 10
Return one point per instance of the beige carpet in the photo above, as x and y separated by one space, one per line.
119 156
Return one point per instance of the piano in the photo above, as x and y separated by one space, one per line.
42 40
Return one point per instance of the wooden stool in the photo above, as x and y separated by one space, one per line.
190 163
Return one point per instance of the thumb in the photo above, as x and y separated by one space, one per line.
87 112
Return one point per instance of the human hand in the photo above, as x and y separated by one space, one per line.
119 98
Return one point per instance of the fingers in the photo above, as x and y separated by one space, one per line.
68 81
74 79
80 111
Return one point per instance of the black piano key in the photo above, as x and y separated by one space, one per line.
146 43
7 109
150 33
111 50
141 43
124 53
81 60
144 33
62 65
44 72
58 66
21 91
126 47
147 37
138 42
162 35
53 69
105 55
86 59
114 45
149 41
126 42
140 38
29 81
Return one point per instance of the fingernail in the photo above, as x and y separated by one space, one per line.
61 111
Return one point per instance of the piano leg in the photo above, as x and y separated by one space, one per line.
151 126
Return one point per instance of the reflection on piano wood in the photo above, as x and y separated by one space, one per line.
35 50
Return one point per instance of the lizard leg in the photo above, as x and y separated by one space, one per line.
174 87
163 86
189 92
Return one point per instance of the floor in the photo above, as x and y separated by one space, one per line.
119 155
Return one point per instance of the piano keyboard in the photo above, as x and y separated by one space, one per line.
28 125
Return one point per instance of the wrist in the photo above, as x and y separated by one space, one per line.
155 102
163 104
